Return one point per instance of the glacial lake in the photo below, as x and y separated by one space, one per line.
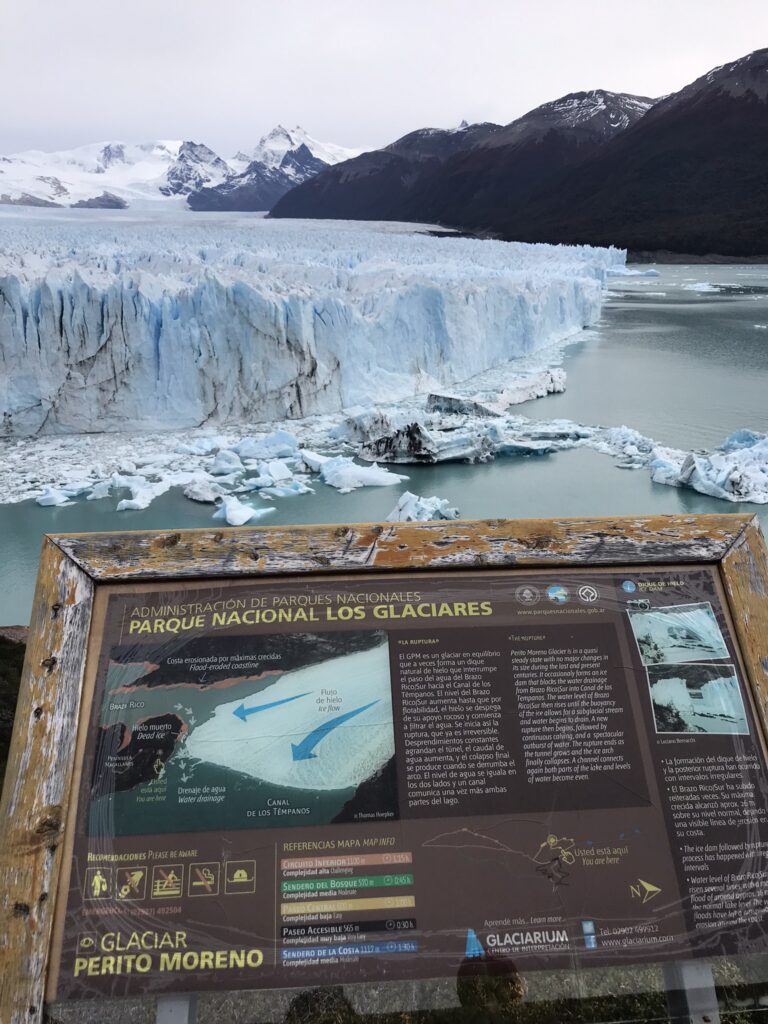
684 365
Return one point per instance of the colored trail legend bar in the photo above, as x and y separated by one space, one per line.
341 929
348 906
334 884
356 860
352 949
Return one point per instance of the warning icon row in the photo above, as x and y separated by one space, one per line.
206 878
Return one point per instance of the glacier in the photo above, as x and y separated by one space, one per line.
111 321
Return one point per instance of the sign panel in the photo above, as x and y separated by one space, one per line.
303 782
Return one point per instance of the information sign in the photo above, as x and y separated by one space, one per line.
298 783
304 757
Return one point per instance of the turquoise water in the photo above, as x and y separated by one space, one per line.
686 368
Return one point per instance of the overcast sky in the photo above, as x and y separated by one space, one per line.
356 72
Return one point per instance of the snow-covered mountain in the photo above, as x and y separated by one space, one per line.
281 160
280 142
118 174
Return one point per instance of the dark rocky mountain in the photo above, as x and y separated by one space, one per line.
464 177
690 177
256 188
378 185
106 201
687 174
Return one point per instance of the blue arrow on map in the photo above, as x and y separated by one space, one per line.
243 712
303 751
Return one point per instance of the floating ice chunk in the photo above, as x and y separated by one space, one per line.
741 439
226 462
665 466
345 475
76 488
632 272
236 513
515 446
413 508
201 446
278 470
100 490
286 490
278 444
313 460
738 471
364 424
143 494
415 443
255 483
202 489
701 286
53 496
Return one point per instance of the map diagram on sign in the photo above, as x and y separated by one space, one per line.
246 732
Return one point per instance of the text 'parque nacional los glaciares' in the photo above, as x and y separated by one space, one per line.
301 609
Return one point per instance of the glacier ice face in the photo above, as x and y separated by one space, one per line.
109 322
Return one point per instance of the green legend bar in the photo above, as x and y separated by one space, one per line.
328 884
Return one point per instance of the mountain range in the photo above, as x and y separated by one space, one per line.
687 172
118 174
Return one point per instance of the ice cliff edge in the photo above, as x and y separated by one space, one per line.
123 325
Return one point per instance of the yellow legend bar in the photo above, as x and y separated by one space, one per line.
345 906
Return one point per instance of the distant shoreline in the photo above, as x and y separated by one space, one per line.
665 256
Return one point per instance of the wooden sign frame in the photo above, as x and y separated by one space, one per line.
38 784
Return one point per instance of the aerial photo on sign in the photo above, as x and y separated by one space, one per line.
230 722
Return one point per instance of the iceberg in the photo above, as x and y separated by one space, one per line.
52 496
276 445
736 471
411 508
701 286
125 324
226 462
345 475
236 513
202 490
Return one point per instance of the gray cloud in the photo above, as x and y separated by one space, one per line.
356 72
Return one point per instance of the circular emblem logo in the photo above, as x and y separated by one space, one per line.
557 593
527 594
588 594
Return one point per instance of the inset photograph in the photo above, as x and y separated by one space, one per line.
677 634
697 698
